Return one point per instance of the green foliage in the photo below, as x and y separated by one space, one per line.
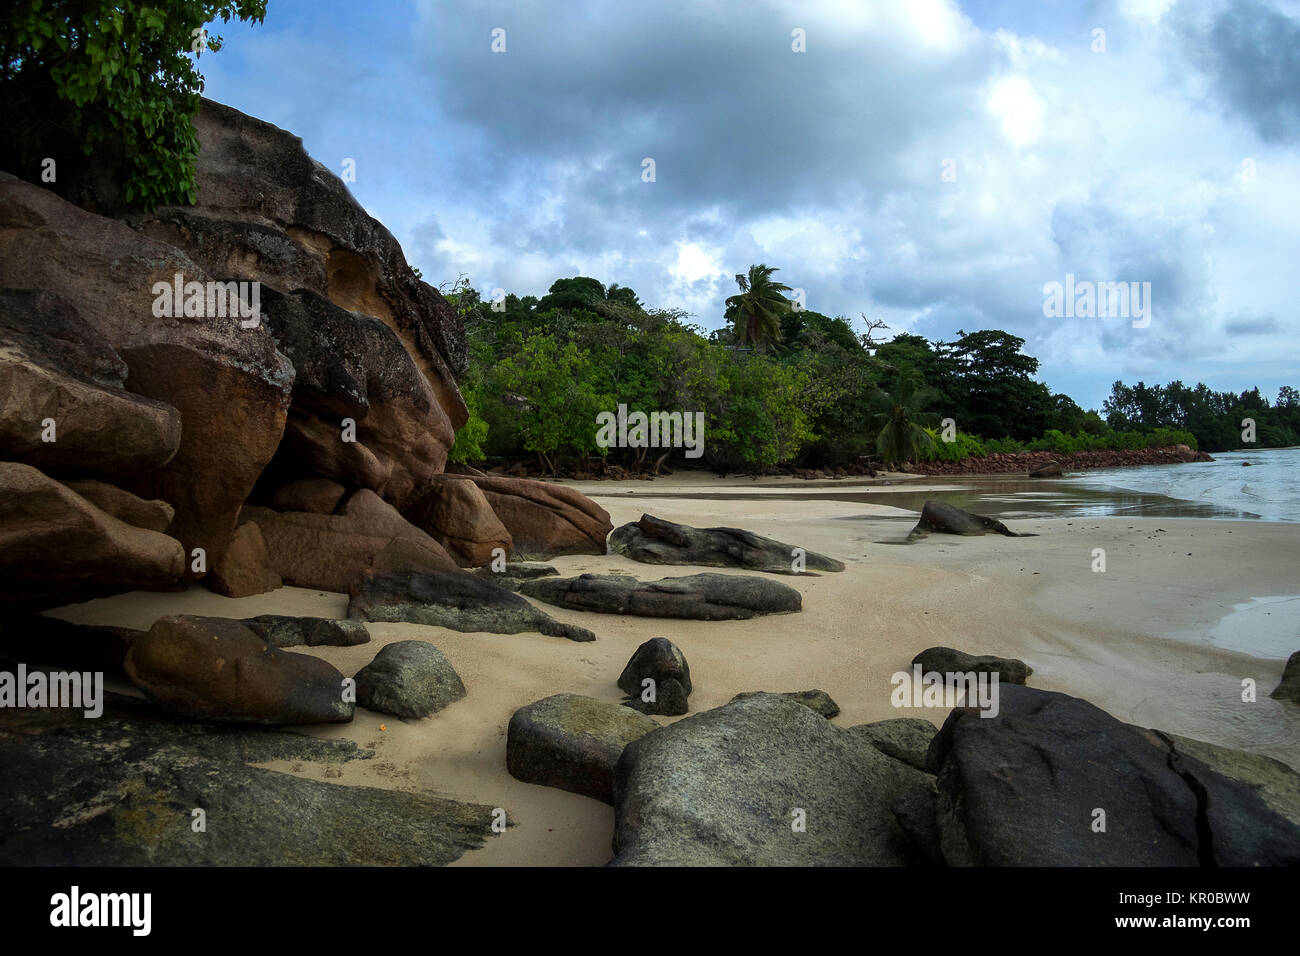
561 386
901 418
114 79
756 311
542 370
962 446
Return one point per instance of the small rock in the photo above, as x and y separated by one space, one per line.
281 631
903 738
817 701
948 660
572 742
943 518
661 661
1289 689
409 679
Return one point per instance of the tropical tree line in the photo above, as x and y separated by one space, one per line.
784 386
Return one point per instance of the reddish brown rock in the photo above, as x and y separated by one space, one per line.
124 506
229 383
546 519
455 512
330 551
370 341
244 568
316 495
61 379
212 668
57 548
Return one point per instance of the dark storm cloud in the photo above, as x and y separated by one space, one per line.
1251 53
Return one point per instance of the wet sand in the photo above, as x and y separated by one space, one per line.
1135 640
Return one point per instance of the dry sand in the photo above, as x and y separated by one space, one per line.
1132 640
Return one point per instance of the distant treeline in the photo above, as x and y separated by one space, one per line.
783 386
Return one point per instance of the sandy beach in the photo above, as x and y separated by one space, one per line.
1137 640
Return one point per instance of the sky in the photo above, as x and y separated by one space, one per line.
931 163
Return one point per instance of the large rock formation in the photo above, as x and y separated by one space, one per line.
271 336
57 367
58 548
455 512
331 551
546 519
229 383
655 541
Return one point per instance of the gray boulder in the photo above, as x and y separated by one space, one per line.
948 660
451 599
515 573
724 787
904 738
943 518
818 701
1024 789
655 541
703 597
1289 688
572 742
409 679
661 661
279 630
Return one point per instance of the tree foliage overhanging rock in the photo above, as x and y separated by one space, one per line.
653 540
451 599
704 597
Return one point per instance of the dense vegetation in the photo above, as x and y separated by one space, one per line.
781 386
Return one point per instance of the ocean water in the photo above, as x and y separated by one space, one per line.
1267 489
1256 484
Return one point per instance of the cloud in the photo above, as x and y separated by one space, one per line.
520 167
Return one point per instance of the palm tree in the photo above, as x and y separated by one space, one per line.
899 412
756 311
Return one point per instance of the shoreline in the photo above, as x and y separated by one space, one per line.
1109 638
